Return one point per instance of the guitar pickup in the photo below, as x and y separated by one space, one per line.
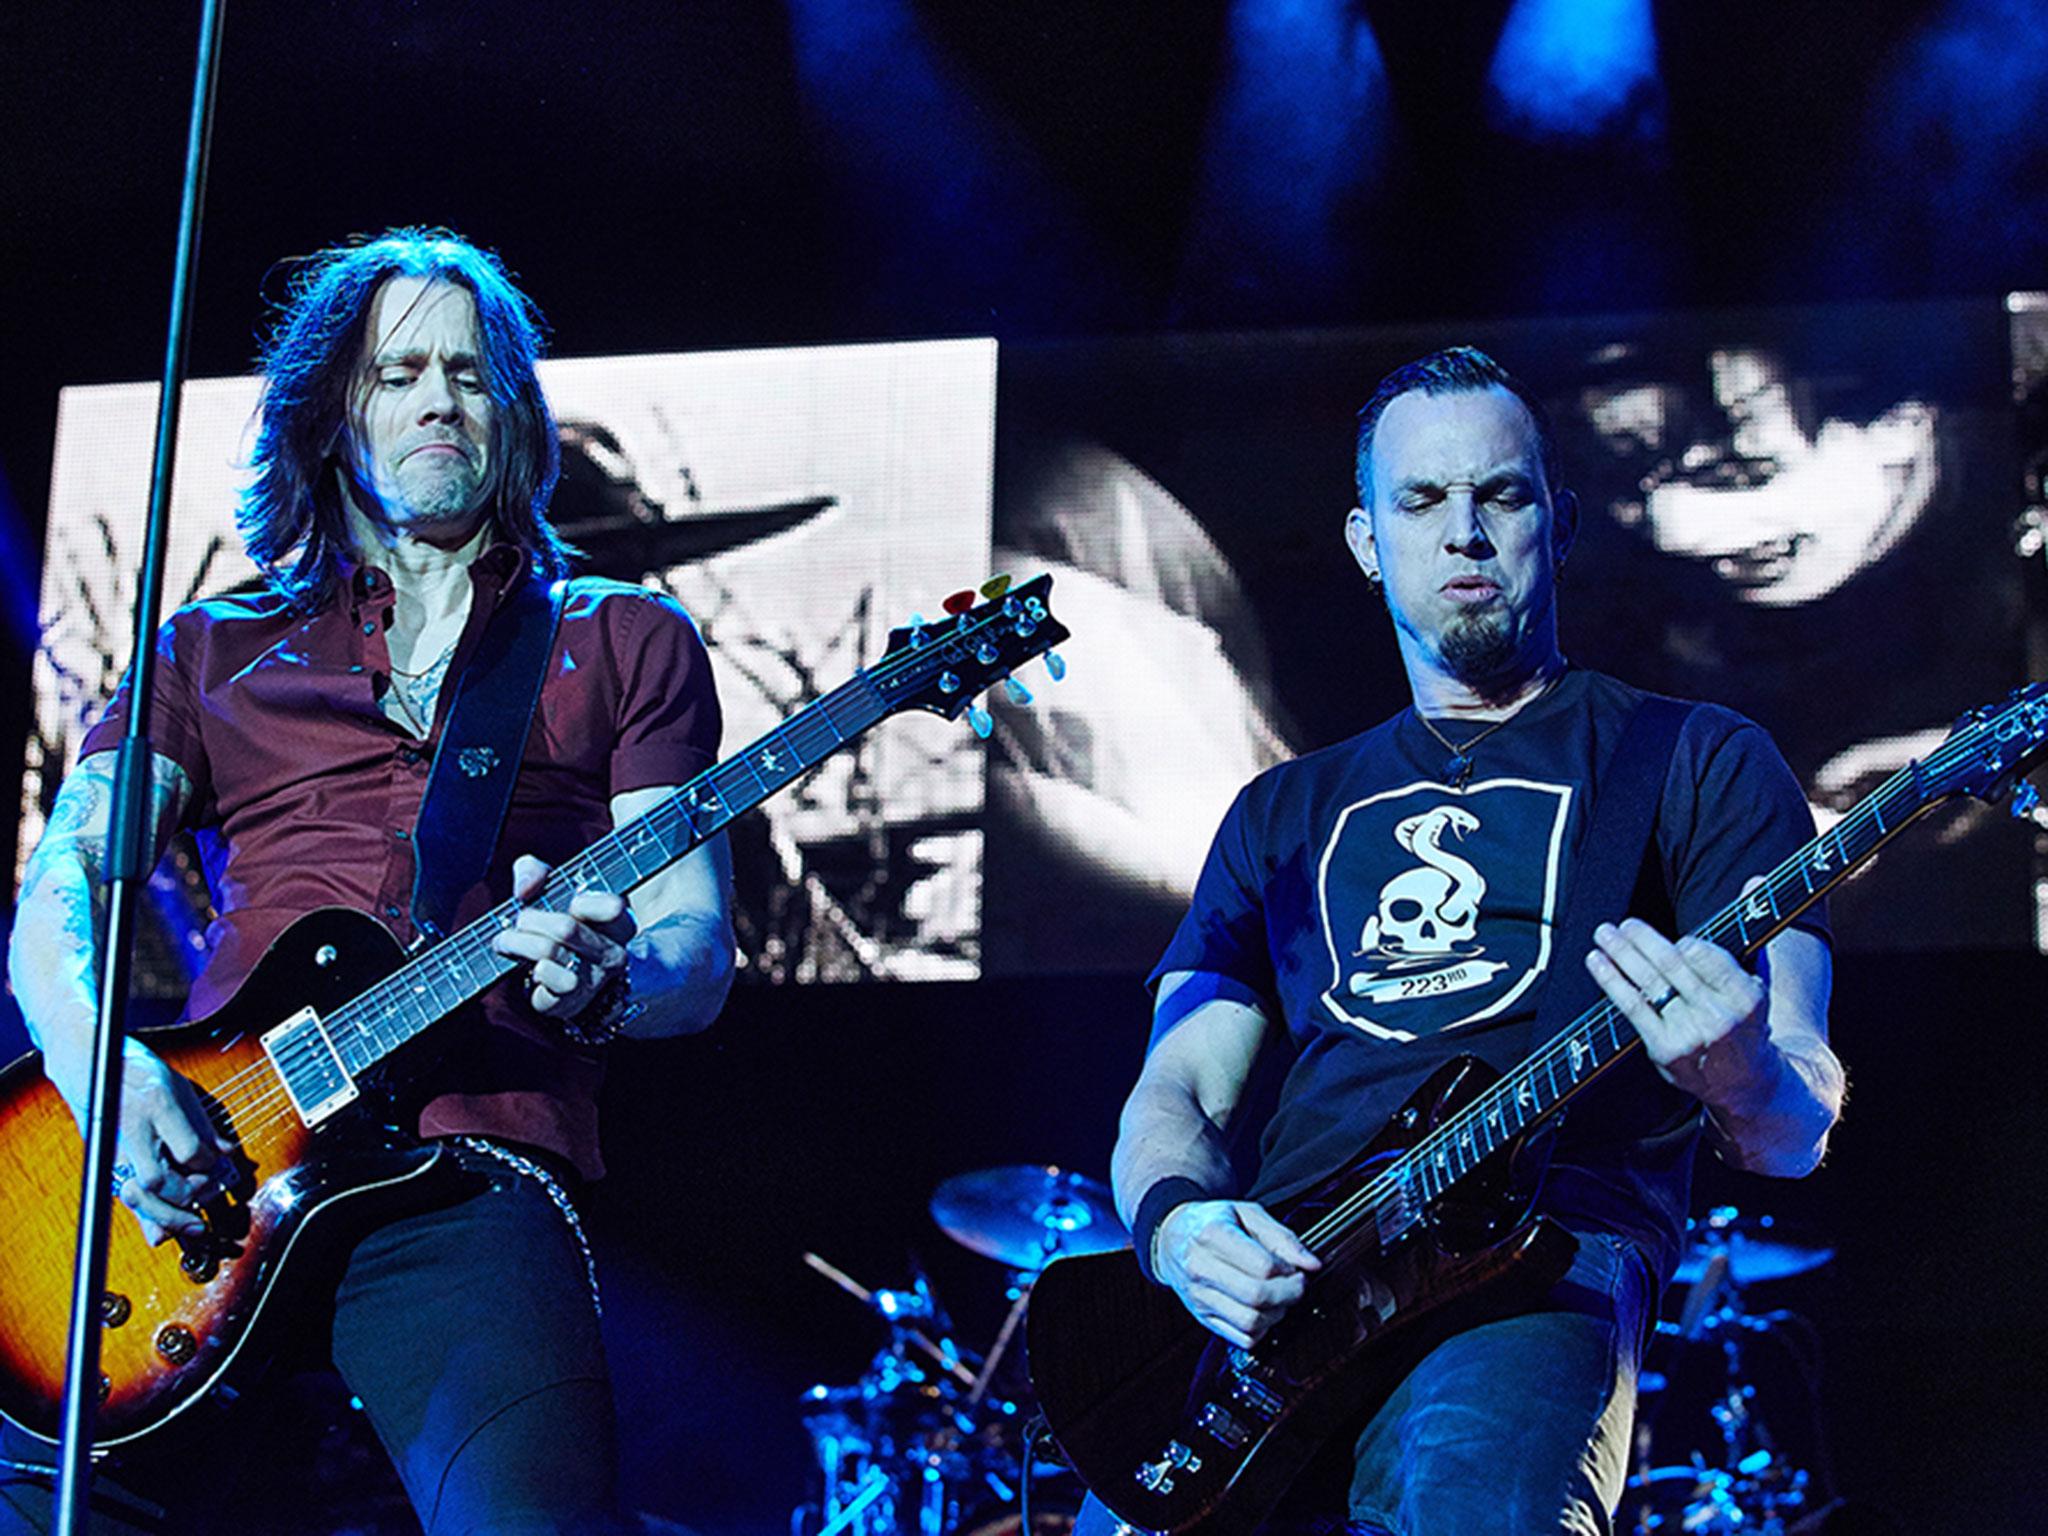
309 1066
1226 1427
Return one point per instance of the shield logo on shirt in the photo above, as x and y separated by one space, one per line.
1437 904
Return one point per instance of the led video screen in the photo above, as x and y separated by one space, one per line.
1808 515
800 503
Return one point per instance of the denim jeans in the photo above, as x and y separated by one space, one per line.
1513 1428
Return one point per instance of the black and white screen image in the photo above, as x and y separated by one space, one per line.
1805 515
800 503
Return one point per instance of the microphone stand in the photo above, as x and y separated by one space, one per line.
128 843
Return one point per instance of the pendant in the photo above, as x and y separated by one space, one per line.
1457 771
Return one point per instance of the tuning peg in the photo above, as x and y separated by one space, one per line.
917 635
978 718
996 586
960 602
1018 693
2026 800
1056 665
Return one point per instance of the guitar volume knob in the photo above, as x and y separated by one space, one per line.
114 1309
175 1342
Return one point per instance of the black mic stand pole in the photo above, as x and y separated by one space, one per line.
128 842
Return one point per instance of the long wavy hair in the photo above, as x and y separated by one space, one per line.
292 517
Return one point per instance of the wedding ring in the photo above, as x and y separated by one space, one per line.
1663 1000
123 1172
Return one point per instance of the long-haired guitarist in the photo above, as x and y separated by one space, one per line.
1388 903
404 464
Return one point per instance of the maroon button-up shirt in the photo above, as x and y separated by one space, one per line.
306 795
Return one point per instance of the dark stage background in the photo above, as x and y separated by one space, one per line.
1197 232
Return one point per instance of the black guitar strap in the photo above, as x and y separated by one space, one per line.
475 766
1611 859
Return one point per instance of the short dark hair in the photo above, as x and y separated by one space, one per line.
1453 371
291 517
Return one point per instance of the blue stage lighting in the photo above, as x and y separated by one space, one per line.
1299 127
1578 69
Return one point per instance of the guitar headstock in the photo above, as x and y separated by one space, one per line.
943 665
1989 749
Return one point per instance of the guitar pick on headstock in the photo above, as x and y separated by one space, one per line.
960 602
996 586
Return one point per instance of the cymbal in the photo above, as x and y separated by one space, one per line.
1026 1217
1755 1248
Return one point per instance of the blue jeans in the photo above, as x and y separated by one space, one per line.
1514 1428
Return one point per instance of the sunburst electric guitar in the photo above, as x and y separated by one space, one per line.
1427 1230
296 1069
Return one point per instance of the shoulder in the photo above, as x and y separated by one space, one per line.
1315 776
622 608
232 623
1707 727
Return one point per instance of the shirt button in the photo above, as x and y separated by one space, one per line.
408 755
391 910
402 835
369 629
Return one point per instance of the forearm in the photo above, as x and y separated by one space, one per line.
681 969
1164 1134
53 964
1779 1125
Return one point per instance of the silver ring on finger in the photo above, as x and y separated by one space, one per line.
123 1172
1663 999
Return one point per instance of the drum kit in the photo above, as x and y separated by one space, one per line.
936 1438
1746 1482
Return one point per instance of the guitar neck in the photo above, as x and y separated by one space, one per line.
1548 1080
433 985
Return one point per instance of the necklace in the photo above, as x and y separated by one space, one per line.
1458 771
438 662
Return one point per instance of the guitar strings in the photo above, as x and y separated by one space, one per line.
271 1102
1383 1195
259 1093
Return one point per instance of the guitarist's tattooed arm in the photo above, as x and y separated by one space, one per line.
1234 1266
1751 1046
54 967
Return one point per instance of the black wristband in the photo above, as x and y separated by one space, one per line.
1159 1201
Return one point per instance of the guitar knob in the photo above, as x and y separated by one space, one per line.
175 1343
114 1309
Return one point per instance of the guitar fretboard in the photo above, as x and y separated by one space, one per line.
428 988
1542 1084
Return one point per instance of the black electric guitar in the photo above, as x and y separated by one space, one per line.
1177 1431
296 1067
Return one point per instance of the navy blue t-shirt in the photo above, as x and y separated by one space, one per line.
1390 922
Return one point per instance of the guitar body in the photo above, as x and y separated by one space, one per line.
176 1318
339 998
1177 1431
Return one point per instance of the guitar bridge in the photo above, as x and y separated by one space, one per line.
310 1067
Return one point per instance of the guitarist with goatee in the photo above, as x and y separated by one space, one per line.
404 462
1390 902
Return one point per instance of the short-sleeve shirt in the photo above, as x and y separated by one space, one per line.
1391 921
306 795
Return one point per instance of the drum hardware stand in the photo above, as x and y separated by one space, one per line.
1754 1490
